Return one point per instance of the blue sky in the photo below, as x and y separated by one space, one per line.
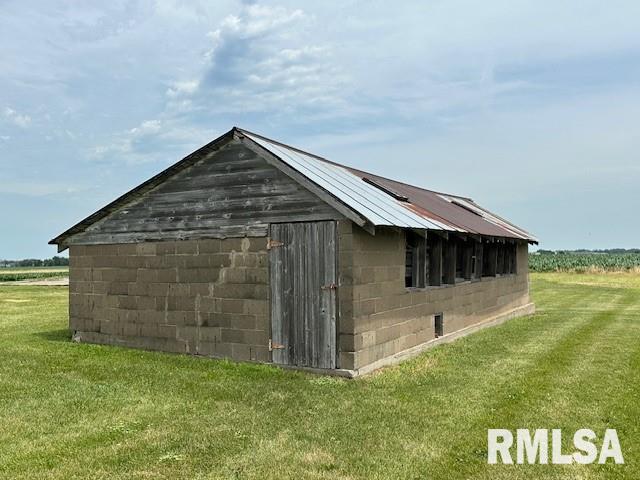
531 108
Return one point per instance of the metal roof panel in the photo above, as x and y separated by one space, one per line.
419 208
376 206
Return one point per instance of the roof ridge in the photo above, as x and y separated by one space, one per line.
248 132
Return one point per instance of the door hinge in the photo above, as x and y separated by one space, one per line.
271 243
275 346
331 286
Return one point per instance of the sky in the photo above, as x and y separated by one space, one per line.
530 108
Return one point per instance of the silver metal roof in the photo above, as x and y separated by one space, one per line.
419 208
370 202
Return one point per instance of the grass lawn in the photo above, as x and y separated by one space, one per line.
84 411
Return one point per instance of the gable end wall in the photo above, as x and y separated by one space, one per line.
233 192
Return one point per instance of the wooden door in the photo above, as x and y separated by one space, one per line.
303 293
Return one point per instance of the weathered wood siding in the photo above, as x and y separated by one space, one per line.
231 193
303 294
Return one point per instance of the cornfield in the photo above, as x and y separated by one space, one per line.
17 274
583 262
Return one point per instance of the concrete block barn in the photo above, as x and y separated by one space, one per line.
257 251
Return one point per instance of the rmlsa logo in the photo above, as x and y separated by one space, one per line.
535 449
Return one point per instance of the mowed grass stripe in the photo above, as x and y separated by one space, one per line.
561 395
517 382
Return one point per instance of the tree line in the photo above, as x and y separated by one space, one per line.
583 251
36 262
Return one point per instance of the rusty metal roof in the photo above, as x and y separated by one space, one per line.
386 202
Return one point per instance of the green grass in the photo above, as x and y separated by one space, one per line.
32 273
85 411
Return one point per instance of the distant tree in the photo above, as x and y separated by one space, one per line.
36 262
56 262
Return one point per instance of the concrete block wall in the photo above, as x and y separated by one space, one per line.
380 317
207 297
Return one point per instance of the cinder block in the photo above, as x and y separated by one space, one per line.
345 226
196 275
223 350
147 330
364 307
234 275
263 323
243 291
219 260
131 330
256 307
238 320
347 360
229 335
256 337
166 248
177 318
241 352
201 289
208 246
146 248
257 275
127 302
179 290
134 262
166 275
187 247
158 289
237 244
118 288
215 319
210 334
138 288
146 275
232 305
77 251
346 342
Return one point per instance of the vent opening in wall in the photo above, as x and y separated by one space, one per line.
438 324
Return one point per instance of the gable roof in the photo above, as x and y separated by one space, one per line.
370 199
386 202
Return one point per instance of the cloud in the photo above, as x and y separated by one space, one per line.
261 60
20 120
179 89
127 144
148 127
152 140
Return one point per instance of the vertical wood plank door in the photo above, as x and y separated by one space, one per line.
303 279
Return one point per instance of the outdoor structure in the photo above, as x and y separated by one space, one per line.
257 251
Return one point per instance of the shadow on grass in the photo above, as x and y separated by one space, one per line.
59 335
